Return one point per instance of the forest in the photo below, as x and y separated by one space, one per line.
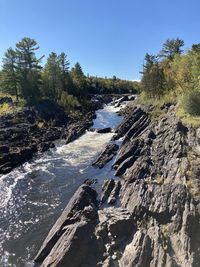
173 75
24 76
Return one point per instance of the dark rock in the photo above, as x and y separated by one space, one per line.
107 189
6 99
106 155
45 146
114 193
50 111
67 225
104 130
4 149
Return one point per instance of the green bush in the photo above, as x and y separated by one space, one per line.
191 103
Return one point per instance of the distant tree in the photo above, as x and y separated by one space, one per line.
9 75
171 47
196 48
153 79
51 76
28 68
64 68
79 82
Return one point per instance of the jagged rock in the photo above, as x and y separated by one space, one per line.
110 191
107 189
57 248
121 100
114 193
45 146
118 222
76 130
106 155
74 246
123 128
157 223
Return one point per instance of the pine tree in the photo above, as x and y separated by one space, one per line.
79 81
64 67
9 75
29 69
171 47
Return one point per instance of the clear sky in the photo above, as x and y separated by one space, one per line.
108 37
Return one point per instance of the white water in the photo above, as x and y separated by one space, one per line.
33 195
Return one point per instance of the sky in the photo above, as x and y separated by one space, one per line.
107 37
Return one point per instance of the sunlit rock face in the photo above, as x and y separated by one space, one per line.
155 221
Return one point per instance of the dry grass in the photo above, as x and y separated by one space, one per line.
187 119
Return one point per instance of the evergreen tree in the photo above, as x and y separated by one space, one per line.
28 69
79 82
153 79
171 47
9 75
52 77
64 67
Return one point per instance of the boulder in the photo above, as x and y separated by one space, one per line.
104 130
71 220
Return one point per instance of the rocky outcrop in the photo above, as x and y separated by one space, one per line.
21 136
153 162
156 221
28 131
80 216
106 156
77 128
110 191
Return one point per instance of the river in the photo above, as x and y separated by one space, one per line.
33 196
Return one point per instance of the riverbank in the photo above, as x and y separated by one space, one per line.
30 131
34 194
156 220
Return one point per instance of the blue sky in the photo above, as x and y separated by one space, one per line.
108 37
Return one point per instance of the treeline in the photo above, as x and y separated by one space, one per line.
176 72
23 76
112 85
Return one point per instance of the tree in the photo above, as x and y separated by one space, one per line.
171 47
196 48
51 76
153 79
79 81
9 75
64 67
28 68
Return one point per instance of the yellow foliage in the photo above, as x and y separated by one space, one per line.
5 109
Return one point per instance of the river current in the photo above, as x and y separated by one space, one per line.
33 196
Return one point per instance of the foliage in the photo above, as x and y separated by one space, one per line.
23 76
191 103
153 80
97 85
171 47
9 76
5 109
174 72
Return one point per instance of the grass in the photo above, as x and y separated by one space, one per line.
187 119
156 112
6 108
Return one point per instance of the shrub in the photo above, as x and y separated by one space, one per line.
191 103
